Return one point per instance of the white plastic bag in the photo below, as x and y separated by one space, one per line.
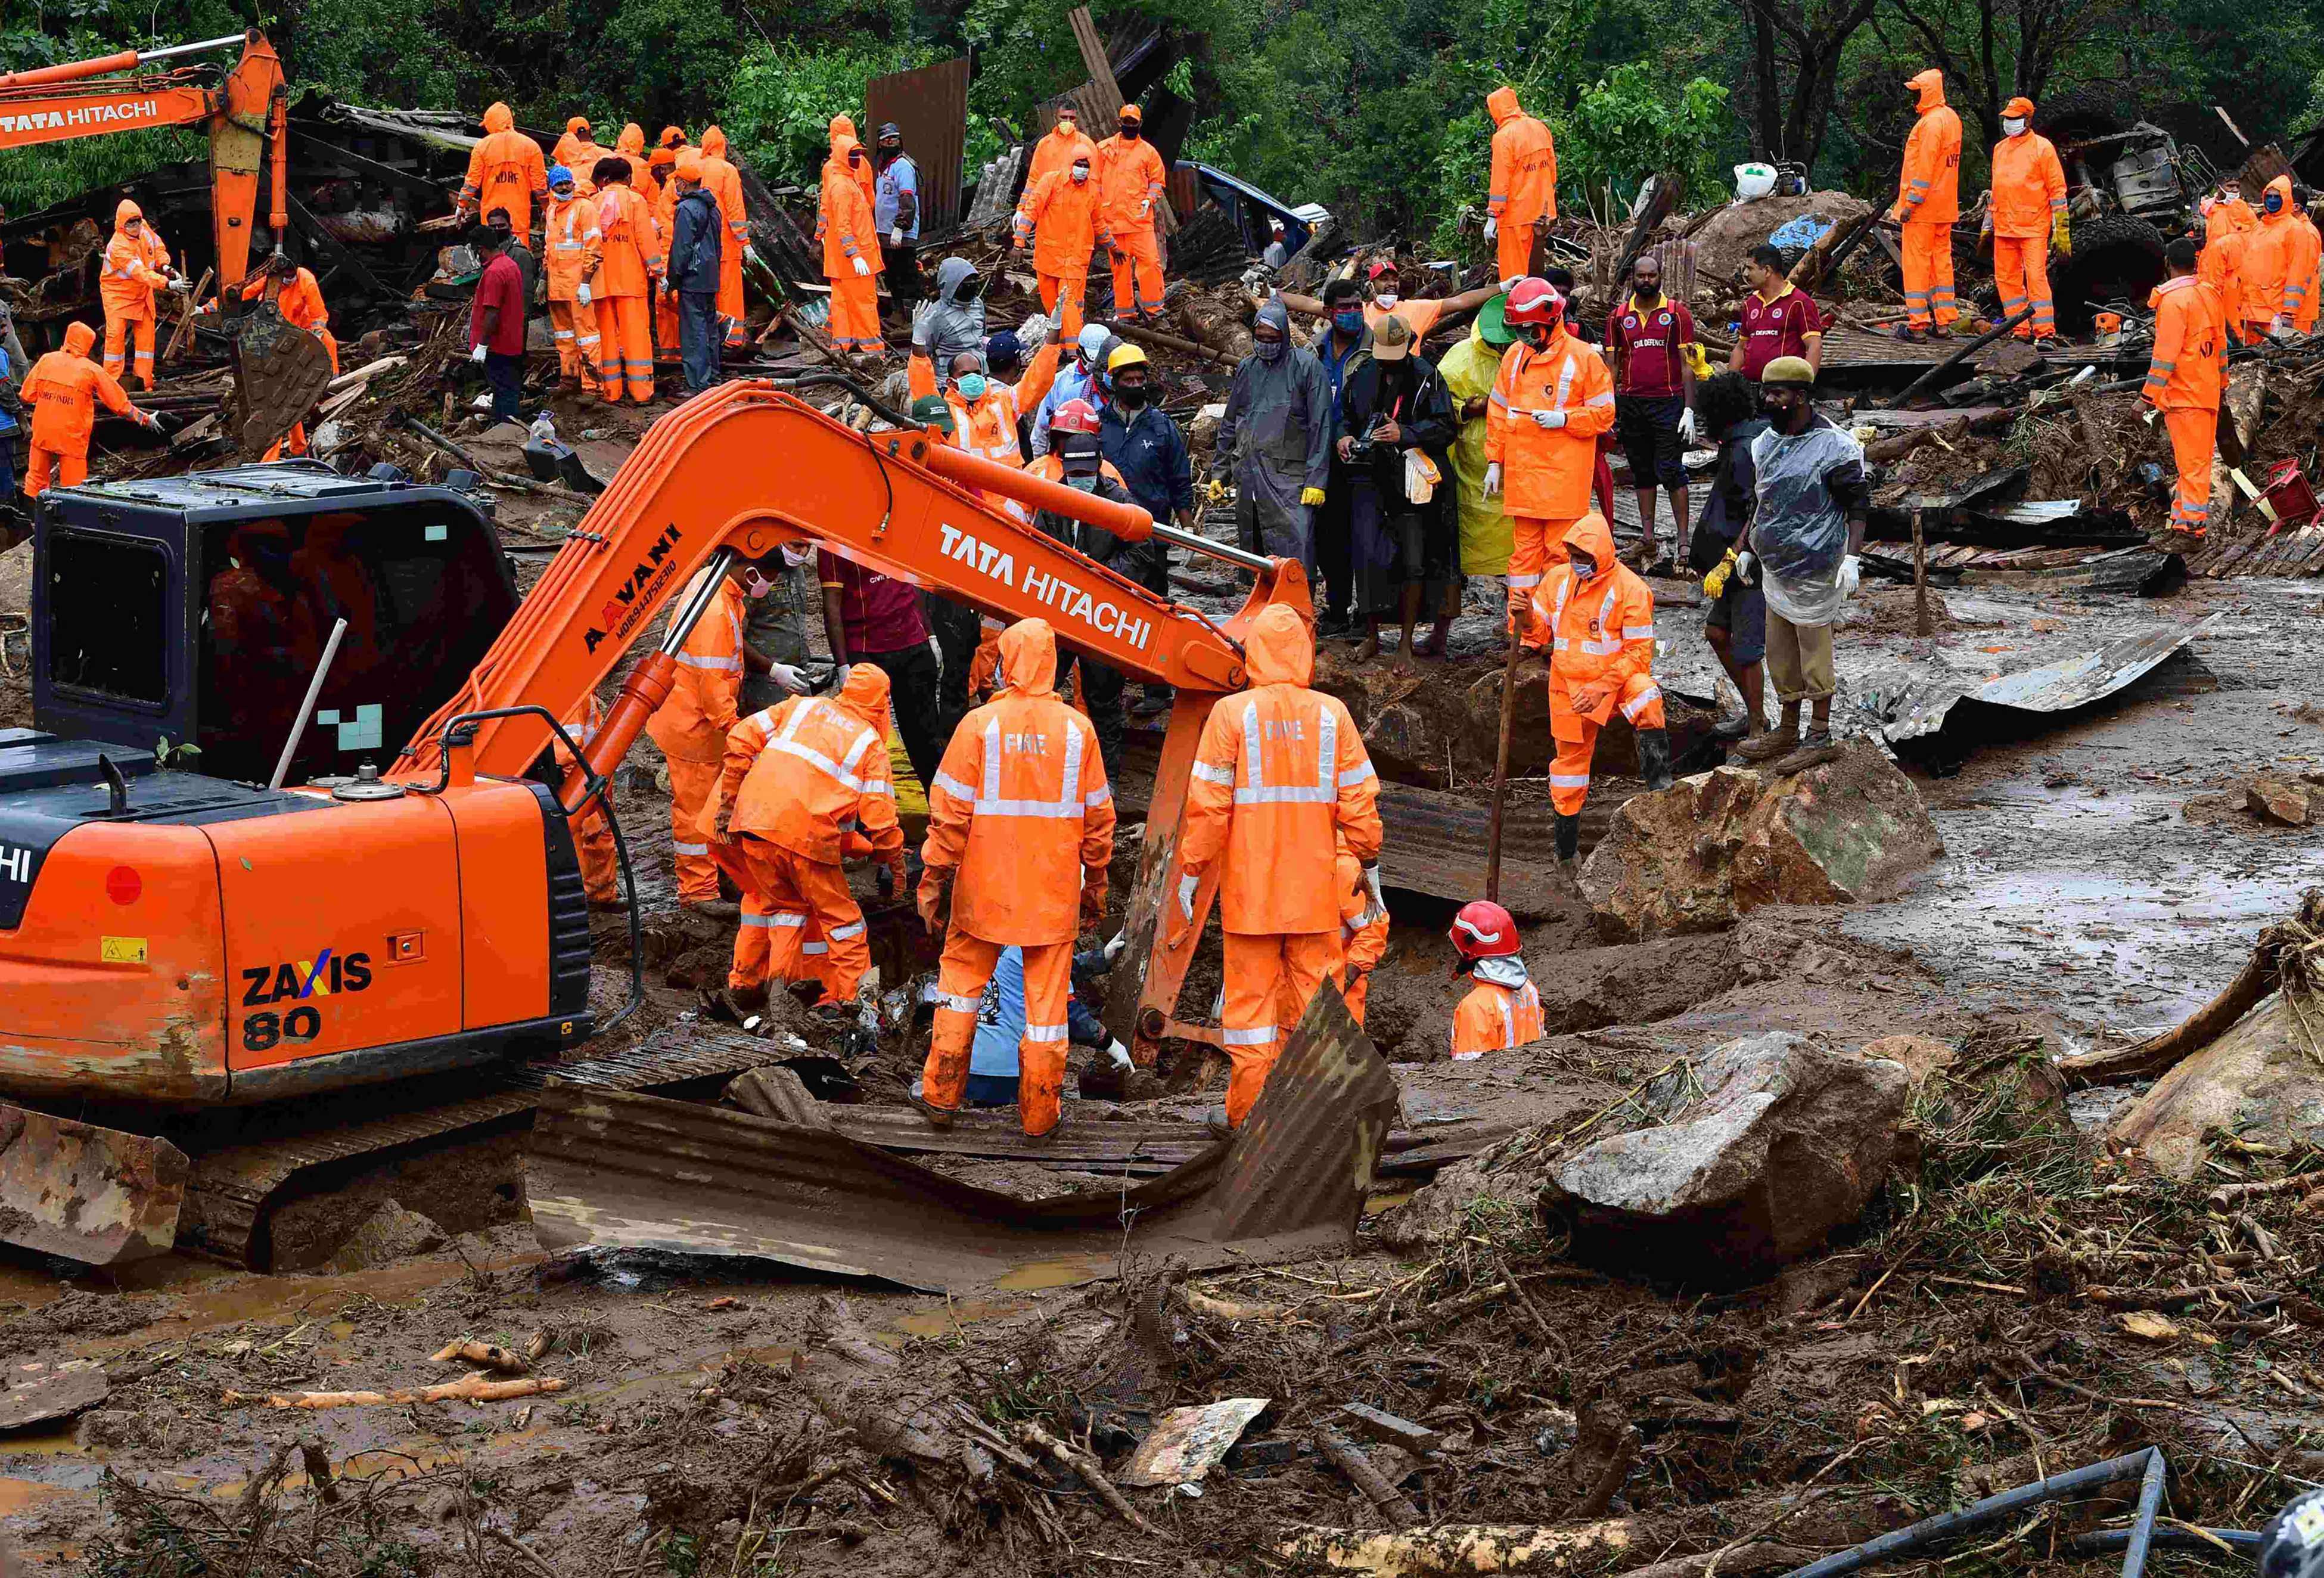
1754 182
1420 477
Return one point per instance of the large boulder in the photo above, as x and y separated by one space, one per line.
1766 1146
1728 236
2257 1082
1715 846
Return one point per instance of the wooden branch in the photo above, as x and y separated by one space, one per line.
473 1388
2157 1054
1041 1441
1393 1504
468 1351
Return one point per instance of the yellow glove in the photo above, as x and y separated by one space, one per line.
2061 237
1214 491
1311 495
1698 359
1714 584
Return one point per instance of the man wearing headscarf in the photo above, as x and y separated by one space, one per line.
1277 435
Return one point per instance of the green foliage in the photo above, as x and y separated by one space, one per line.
1633 123
777 107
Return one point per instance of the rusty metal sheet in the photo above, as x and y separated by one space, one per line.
98 1196
1434 843
930 106
1909 707
614 1171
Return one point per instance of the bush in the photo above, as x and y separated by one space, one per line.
1633 124
778 106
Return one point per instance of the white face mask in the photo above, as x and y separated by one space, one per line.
2013 127
1081 173
795 556
1386 298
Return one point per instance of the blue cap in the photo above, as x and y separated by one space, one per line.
1003 349
557 173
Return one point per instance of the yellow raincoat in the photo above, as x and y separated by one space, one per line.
1469 370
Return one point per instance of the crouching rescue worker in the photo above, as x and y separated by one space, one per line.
690 726
1503 1010
1602 623
797 779
1020 830
1281 780
63 389
1363 932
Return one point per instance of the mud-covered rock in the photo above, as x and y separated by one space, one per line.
2257 1082
1407 743
388 1234
1717 845
1767 1145
2281 801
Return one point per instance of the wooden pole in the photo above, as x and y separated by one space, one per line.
1501 768
1922 623
1963 354
186 317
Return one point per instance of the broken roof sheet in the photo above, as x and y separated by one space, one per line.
1924 705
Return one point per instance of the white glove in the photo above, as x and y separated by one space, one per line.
895 236
1493 228
1850 574
1120 1056
863 269
1375 906
1512 283
788 678
921 315
1114 944
581 293
1746 567
1548 421
1686 425
1186 886
1492 479
477 354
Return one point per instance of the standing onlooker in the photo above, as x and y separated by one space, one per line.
1395 403
872 618
774 633
496 324
1346 339
1779 320
1806 530
1277 435
697 246
1654 397
1736 624
527 264
1469 370
896 216
1149 452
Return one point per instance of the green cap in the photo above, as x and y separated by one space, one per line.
1492 324
932 411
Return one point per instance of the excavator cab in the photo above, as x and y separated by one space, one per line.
194 611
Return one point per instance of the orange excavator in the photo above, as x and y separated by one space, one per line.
172 944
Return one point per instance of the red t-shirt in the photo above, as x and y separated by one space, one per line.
878 614
501 285
1777 329
1644 343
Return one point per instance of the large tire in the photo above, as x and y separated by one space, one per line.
2116 258
2094 110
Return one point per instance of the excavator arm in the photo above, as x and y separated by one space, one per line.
244 113
747 468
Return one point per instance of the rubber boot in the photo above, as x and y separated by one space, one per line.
1569 845
1654 759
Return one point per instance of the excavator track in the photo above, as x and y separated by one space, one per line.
232 1191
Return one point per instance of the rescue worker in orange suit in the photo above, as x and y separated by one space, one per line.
797 778
984 410
842 127
1059 215
1281 783
2270 258
850 252
2220 263
2310 277
1554 397
63 389
1928 201
136 265
573 144
592 834
622 270
691 727
582 157
571 235
1524 190
1363 932
1020 830
1130 179
2028 218
505 170
1503 1010
1058 148
1602 623
299 297
2186 378
724 183
664 200
630 148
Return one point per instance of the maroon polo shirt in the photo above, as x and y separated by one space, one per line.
501 285
879 614
1777 329
1644 342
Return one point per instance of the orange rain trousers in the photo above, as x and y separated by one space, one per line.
119 328
1269 981
1514 250
1539 545
691 785
575 330
2021 271
624 349
1929 272
43 466
1138 273
1640 700
961 976
601 866
855 312
2194 431
791 895
1070 286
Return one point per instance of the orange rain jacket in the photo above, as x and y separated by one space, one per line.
630 146
629 253
1601 629
1546 473
2190 369
844 221
2029 188
574 145
63 389
505 170
1928 190
724 183
1055 151
806 773
1281 778
2270 258
135 266
571 237
843 126
1131 178
691 724
1524 186
1020 812
1060 216
987 425
1492 1018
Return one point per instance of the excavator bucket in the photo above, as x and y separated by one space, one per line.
280 372
101 1196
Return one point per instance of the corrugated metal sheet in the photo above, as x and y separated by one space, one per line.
930 107
1918 706
610 1170
1435 844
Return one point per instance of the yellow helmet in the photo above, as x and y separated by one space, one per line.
1125 356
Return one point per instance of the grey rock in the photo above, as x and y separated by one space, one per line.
388 1234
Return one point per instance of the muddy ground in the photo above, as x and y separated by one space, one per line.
2098 883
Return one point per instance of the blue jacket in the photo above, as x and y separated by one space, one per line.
694 244
1150 454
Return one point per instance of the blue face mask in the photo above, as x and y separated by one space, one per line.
1349 321
2273 202
971 385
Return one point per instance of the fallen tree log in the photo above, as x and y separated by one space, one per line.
473 1388
1450 1550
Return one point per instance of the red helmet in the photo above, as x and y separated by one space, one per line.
1534 301
1076 416
1484 930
